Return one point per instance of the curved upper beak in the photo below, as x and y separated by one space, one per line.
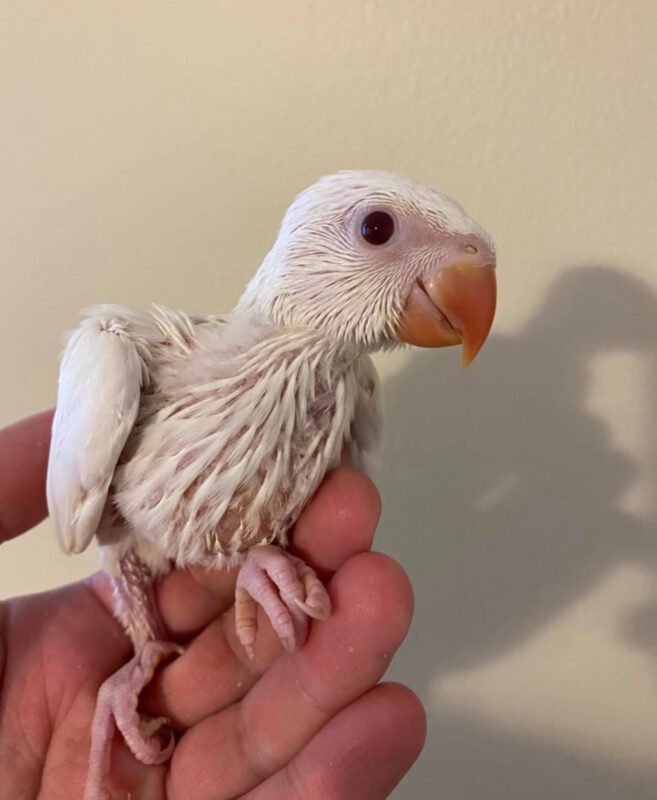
455 305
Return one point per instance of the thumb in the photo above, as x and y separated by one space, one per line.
23 464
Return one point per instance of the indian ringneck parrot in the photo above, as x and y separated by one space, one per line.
186 441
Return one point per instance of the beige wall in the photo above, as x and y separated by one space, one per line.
147 152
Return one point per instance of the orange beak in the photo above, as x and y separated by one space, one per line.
455 305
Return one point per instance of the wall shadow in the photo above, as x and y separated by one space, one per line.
514 489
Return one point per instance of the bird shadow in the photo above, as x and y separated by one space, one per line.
501 494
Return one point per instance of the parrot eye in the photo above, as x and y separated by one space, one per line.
377 227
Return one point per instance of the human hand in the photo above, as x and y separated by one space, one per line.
311 724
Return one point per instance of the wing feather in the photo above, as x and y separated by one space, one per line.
100 382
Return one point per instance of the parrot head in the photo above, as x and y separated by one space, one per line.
372 259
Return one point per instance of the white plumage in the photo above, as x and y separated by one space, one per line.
102 374
205 443
187 441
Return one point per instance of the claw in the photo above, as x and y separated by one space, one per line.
315 613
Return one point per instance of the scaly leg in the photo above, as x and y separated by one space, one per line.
149 739
288 590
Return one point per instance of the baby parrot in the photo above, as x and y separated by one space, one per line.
185 441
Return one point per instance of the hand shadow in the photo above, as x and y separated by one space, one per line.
501 499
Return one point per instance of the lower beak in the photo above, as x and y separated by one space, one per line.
456 305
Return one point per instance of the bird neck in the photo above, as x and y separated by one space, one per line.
314 347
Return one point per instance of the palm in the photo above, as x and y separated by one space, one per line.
308 724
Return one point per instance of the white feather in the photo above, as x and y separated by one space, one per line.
100 382
232 442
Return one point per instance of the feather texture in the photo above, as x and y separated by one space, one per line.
214 432
101 378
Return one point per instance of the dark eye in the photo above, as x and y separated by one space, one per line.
377 227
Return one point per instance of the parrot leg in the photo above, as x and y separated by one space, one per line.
288 590
150 739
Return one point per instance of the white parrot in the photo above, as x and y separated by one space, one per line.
182 441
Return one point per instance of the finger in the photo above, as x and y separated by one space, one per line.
23 464
346 655
338 522
341 520
361 754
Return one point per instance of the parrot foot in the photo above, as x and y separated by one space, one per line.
288 590
150 739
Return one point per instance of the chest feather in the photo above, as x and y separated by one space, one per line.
230 463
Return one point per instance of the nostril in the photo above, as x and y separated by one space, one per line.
470 248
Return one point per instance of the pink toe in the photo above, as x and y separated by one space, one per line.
150 740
